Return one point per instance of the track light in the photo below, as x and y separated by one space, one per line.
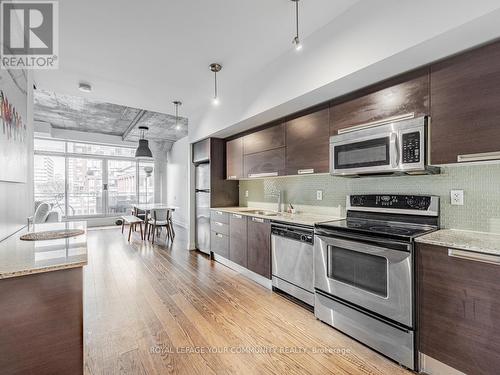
296 39
215 68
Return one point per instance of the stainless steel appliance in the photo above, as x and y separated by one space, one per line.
292 261
202 201
364 270
398 146
211 187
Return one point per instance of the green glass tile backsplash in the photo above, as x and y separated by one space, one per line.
481 185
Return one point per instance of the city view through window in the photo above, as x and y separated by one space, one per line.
81 179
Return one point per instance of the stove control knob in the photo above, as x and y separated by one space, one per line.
356 200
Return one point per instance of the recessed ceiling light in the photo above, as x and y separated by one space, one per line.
84 87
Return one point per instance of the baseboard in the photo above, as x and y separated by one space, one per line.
266 283
180 224
431 366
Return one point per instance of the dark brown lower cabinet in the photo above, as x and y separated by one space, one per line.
238 239
459 309
41 320
259 246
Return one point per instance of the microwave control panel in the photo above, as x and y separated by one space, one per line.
411 147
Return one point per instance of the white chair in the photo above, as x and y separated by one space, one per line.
159 218
43 214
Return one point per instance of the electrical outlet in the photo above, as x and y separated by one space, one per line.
319 195
457 197
246 193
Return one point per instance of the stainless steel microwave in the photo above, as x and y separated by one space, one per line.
393 147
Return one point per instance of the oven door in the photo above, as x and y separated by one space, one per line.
373 277
351 154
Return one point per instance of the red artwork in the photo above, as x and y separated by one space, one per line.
12 123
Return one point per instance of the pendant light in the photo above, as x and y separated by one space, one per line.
143 151
296 40
177 103
215 68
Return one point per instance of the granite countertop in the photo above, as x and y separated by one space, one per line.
480 242
18 258
300 218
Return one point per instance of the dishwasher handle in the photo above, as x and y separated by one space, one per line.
300 236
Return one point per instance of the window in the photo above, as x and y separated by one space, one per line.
146 182
84 179
94 149
49 181
49 145
121 185
85 188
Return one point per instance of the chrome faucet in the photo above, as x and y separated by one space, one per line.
279 201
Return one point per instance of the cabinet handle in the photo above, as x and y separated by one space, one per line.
219 224
218 212
218 235
477 257
483 156
257 219
305 171
257 175
372 124
231 177
237 216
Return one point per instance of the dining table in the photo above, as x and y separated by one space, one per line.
146 209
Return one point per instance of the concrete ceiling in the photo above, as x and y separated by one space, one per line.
145 54
88 115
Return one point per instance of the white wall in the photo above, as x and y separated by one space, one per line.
178 180
16 199
373 40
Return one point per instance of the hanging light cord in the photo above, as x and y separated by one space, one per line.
176 114
215 84
297 18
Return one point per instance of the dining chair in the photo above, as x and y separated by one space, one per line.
141 214
159 218
170 227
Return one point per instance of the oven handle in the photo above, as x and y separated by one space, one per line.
394 152
361 247
379 242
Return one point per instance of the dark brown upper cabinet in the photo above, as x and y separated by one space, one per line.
265 163
399 96
264 140
234 160
201 151
307 143
465 110
459 308
259 246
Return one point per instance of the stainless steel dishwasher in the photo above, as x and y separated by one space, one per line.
292 261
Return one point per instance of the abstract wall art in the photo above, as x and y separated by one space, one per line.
13 126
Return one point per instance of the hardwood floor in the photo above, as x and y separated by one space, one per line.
164 310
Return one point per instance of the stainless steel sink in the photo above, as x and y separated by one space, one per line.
262 212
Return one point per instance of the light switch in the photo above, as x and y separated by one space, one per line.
457 197
246 193
319 195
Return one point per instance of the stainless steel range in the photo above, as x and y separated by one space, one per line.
364 270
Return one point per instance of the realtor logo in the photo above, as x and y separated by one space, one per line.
29 34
